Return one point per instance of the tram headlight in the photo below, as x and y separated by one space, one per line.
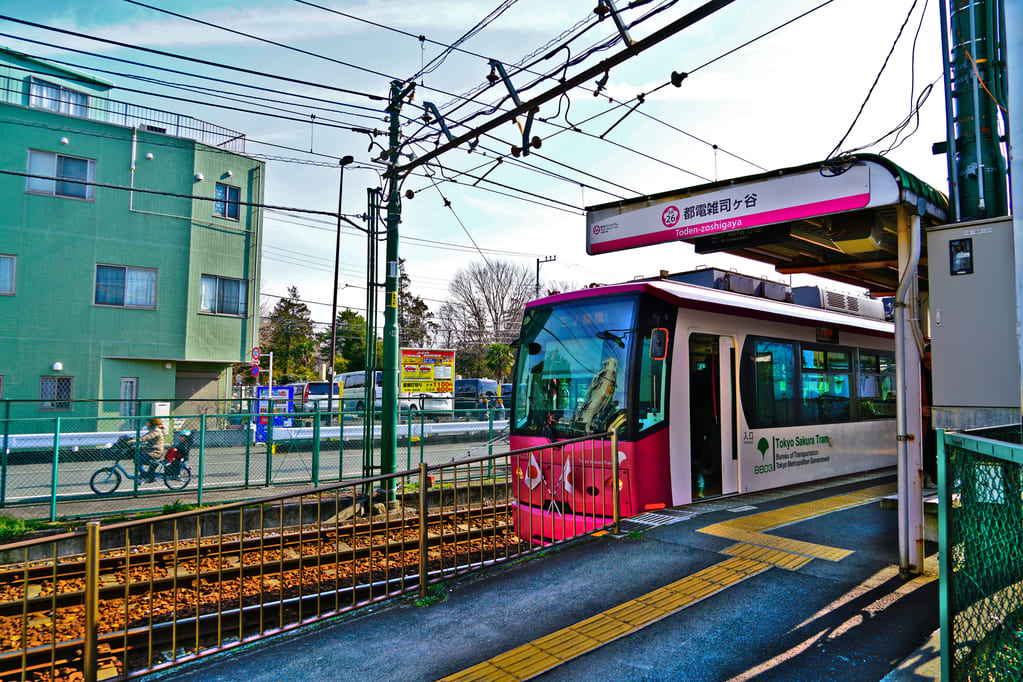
610 482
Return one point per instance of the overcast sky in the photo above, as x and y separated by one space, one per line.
783 100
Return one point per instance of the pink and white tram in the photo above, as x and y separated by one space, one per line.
721 393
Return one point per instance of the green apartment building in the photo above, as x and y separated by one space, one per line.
129 249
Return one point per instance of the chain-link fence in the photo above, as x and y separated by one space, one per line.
981 535
55 460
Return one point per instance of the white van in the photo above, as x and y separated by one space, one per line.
353 395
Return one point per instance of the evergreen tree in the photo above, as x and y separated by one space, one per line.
290 338
350 345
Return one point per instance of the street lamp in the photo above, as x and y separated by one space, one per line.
345 160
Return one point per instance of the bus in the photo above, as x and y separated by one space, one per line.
354 395
723 384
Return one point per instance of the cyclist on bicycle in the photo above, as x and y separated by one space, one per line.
150 444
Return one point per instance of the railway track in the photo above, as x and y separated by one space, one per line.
165 601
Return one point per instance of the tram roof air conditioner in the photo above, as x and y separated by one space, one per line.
836 301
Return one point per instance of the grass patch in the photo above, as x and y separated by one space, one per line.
177 507
11 528
434 595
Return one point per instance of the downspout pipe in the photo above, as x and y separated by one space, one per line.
903 433
134 158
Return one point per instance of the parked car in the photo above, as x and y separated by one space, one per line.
469 391
312 395
353 395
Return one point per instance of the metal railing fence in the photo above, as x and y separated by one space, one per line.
53 460
980 479
120 600
101 108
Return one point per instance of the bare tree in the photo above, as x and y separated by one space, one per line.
484 306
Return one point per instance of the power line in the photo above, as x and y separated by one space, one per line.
194 60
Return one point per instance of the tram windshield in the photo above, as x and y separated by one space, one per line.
572 370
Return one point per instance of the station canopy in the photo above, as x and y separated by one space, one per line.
837 219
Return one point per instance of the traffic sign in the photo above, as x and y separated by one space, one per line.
255 353
255 371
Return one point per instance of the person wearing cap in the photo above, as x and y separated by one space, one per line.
150 447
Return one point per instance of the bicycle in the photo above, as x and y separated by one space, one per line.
171 469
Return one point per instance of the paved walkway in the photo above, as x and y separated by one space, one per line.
799 585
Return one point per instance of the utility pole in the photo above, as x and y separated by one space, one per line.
389 412
547 259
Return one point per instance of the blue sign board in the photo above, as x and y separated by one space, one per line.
283 407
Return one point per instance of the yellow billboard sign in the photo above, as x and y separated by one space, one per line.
427 371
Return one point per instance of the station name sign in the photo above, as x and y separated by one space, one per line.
721 209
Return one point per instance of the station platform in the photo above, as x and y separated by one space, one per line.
799 584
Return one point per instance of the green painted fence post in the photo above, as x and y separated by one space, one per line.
248 441
316 445
269 438
341 442
422 434
408 445
4 452
490 432
53 469
202 455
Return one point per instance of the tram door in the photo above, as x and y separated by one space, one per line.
711 415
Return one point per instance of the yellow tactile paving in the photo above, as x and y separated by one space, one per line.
565 644
602 628
775 557
484 672
753 553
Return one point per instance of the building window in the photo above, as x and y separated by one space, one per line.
225 202
223 295
44 95
125 287
70 174
7 270
55 393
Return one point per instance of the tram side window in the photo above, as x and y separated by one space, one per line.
877 385
825 386
775 366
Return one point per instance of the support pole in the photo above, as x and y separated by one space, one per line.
389 412
908 424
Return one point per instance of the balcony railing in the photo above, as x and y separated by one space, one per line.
132 115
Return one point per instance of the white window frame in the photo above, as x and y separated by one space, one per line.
14 274
46 164
58 401
211 295
222 208
63 103
124 295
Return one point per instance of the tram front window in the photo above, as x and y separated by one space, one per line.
572 366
